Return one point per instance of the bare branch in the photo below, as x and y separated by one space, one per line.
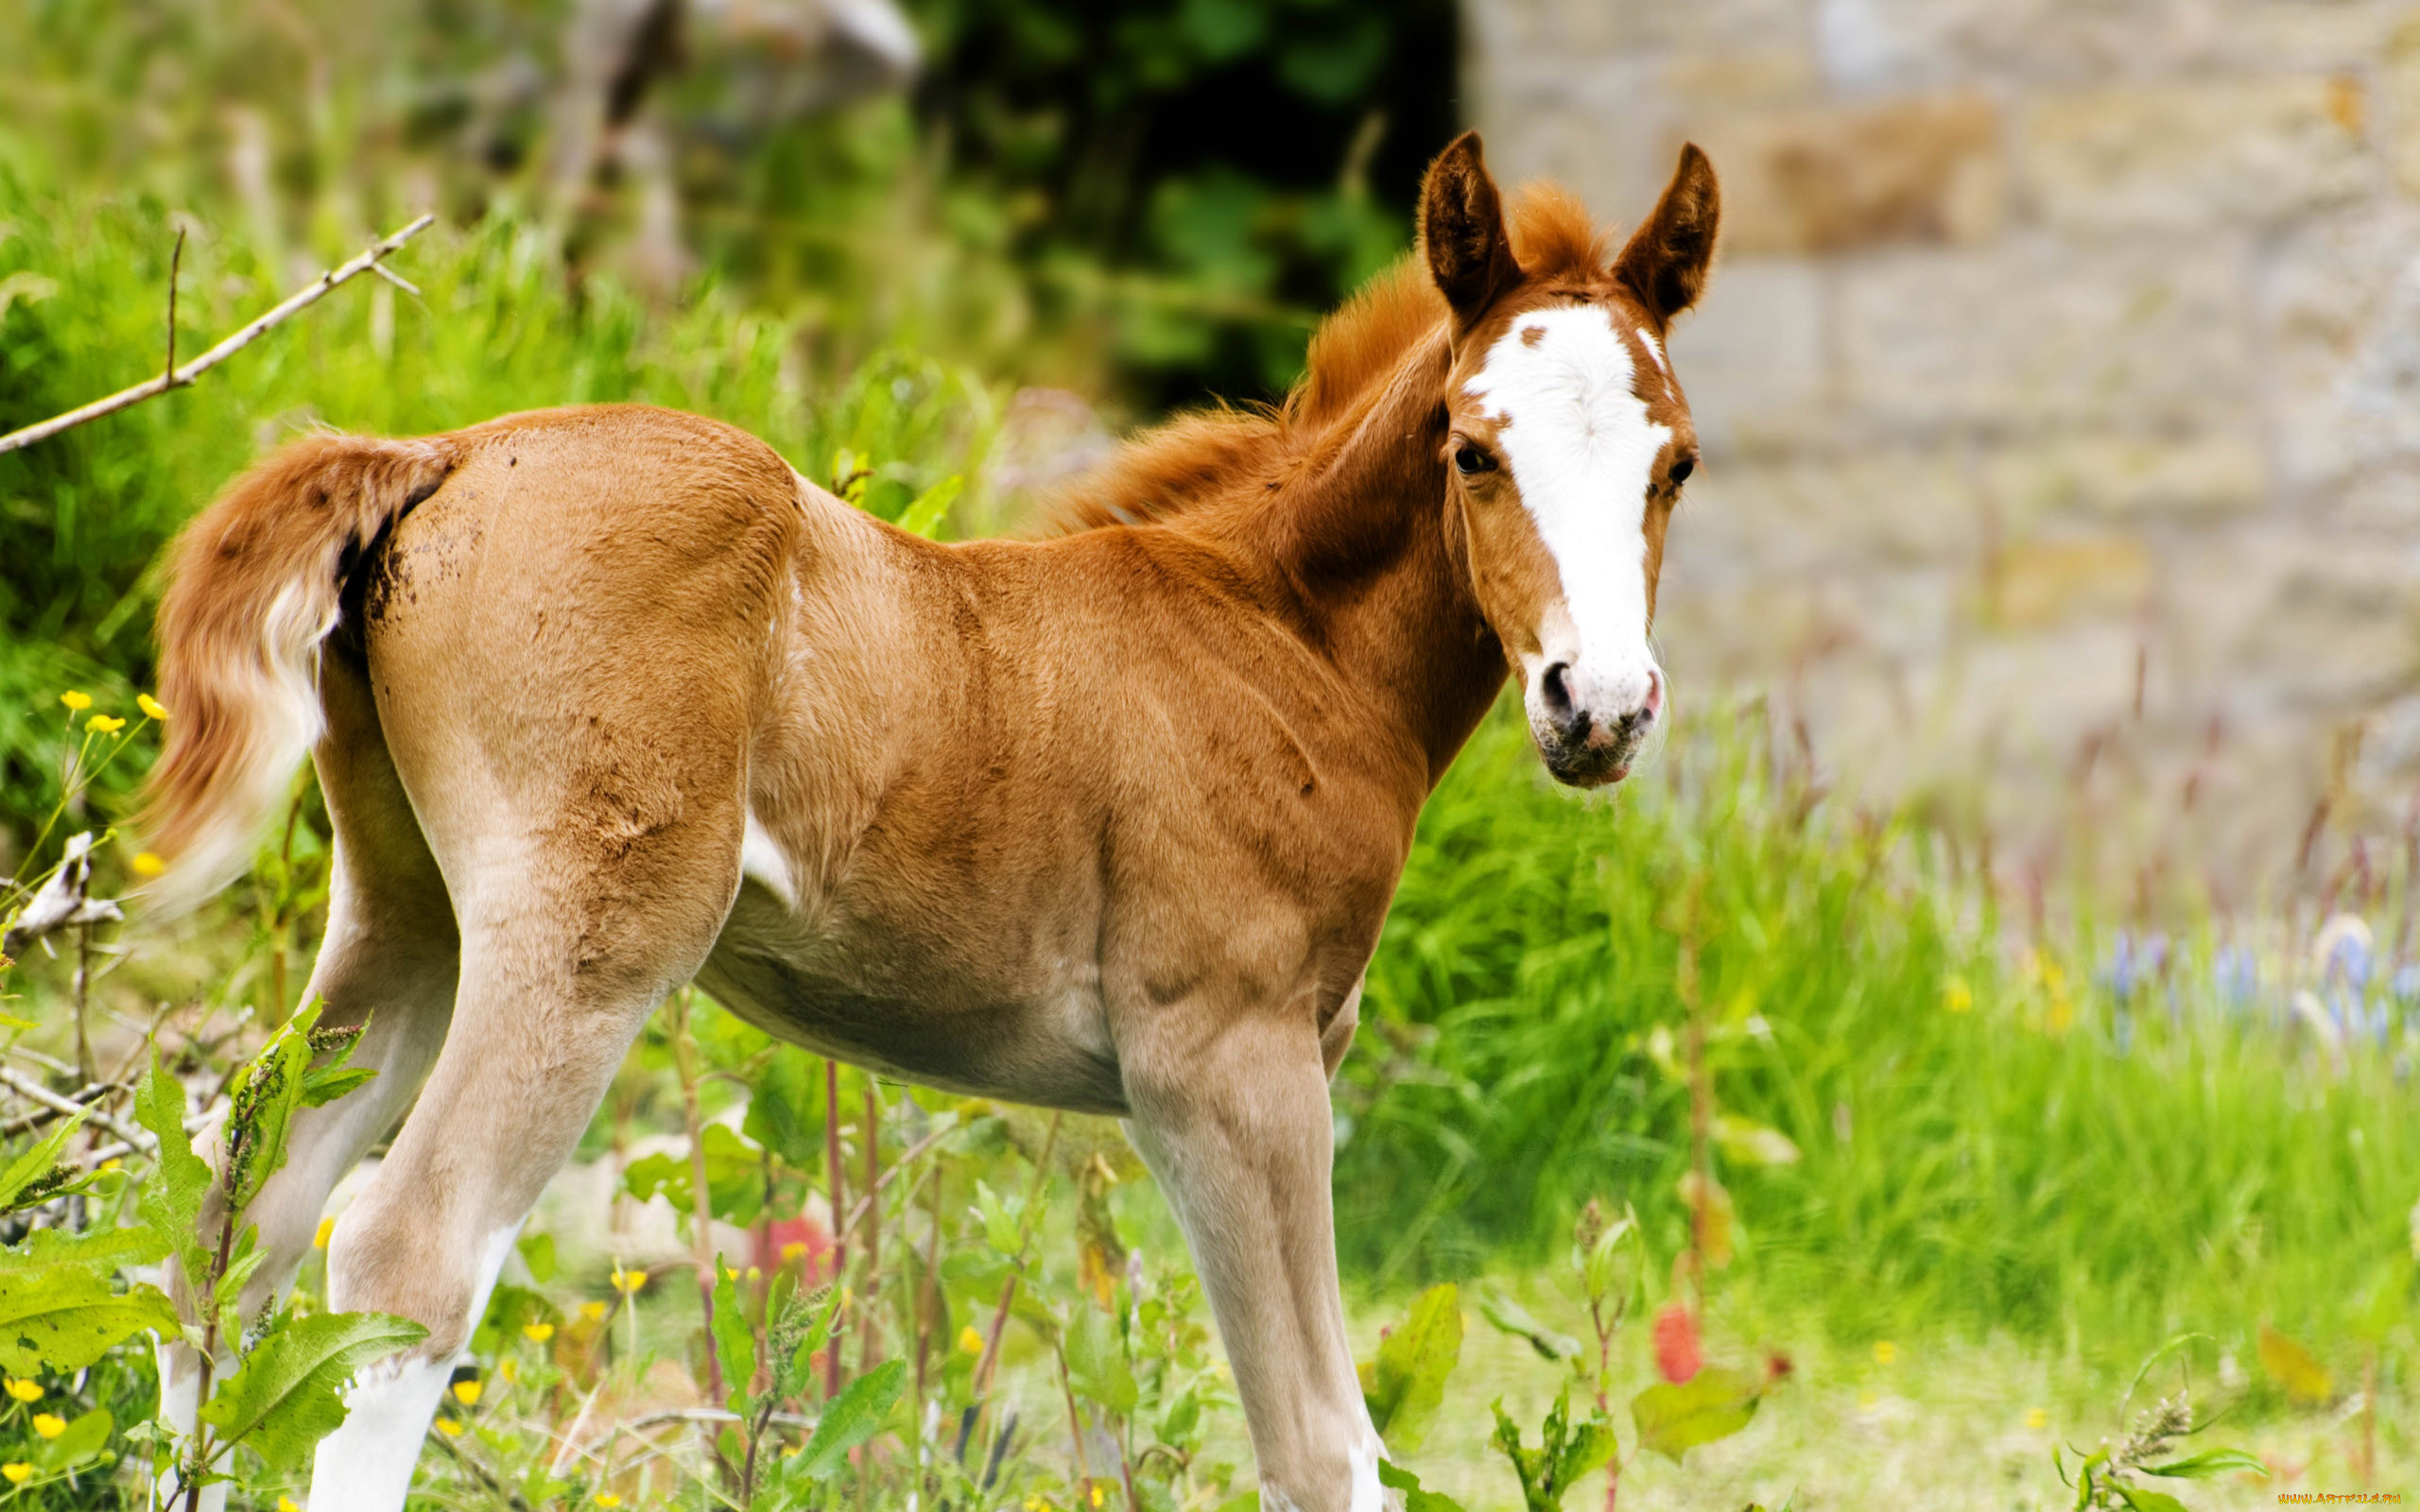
176 262
295 303
26 1087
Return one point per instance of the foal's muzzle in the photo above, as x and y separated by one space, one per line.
1589 731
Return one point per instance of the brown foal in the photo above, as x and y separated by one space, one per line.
604 700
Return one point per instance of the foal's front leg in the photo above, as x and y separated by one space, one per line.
1232 1119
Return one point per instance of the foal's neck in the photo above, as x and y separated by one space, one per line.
1373 556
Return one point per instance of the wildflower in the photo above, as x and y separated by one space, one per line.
77 702
508 1370
1096 1496
2037 1419
286 1504
731 1273
1885 1351
789 1451
2342 950
1676 1342
537 1332
449 1427
593 1312
467 1392
2237 973
1956 996
103 725
793 1252
31 1390
49 1425
112 1163
608 1499
152 707
320 1238
628 1282
970 1342
17 1472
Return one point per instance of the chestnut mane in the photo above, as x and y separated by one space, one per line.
1210 453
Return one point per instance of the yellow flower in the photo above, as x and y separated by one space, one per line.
148 864
789 1451
593 1312
77 702
286 1503
103 725
970 1342
467 1393
320 1240
17 1472
50 1425
449 1428
537 1332
628 1282
112 1163
608 1499
2037 1419
731 1272
152 707
24 1390
508 1370
1885 1351
1956 996
1096 1496
792 1253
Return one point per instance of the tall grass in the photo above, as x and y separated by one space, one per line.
83 288
1993 1134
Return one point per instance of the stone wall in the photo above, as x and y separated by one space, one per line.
2060 383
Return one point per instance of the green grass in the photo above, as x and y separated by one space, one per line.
2030 1164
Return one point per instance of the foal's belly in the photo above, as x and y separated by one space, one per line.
1042 1041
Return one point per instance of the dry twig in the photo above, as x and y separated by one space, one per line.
176 377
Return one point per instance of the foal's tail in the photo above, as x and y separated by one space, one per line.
255 586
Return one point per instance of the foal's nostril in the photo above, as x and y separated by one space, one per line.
1654 704
1555 686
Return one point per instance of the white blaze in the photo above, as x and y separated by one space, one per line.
1582 450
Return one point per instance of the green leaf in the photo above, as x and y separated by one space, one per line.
1184 1417
848 1419
287 1393
785 1110
924 517
324 1086
84 1438
1396 1478
179 1179
1509 1317
1097 1367
734 1176
2294 1367
1405 1384
2208 1462
2146 1500
70 1316
538 1253
37 1162
735 1341
1591 1446
112 1248
1753 1143
1715 1403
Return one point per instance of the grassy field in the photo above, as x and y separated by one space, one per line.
1958 1167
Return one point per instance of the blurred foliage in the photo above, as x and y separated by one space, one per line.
1255 160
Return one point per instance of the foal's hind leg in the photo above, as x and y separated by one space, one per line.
388 960
560 966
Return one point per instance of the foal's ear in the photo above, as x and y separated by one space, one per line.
1666 261
1461 231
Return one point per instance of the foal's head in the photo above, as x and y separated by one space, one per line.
1567 445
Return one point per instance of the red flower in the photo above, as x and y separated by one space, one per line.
1676 1342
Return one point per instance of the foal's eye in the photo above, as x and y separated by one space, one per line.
1681 468
1470 462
